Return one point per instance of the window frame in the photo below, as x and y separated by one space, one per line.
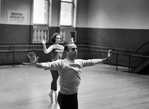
0 9
72 14
41 30
47 19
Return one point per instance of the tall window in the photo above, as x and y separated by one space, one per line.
0 8
67 20
40 21
40 12
67 13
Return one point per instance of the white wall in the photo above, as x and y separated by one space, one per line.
14 6
55 13
130 14
82 13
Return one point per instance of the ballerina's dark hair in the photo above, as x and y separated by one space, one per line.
53 38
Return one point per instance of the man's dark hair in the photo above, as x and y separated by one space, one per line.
66 46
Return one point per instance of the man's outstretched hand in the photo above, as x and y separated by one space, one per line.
32 57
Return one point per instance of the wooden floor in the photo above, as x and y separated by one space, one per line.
26 87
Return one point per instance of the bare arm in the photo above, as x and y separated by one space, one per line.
46 51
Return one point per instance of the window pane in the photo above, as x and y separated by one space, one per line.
67 0
66 14
40 14
0 9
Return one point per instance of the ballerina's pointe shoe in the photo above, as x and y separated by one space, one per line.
51 97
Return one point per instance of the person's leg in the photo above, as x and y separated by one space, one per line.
51 95
56 96
55 76
75 101
68 101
